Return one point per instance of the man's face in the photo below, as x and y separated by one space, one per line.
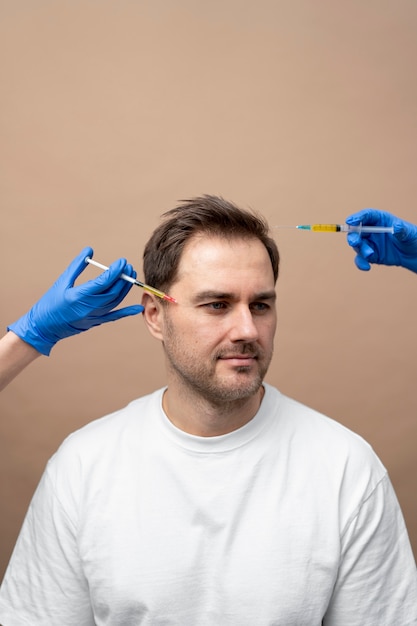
218 339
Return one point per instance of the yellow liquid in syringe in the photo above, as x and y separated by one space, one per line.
321 228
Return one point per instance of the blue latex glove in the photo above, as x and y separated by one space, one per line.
399 248
65 310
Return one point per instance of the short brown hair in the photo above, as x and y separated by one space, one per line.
207 214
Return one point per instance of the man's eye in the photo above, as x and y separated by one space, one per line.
216 306
259 307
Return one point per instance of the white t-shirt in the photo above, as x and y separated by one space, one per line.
290 520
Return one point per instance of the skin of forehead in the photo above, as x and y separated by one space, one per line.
206 254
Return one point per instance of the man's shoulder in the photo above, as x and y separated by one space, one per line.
122 425
317 433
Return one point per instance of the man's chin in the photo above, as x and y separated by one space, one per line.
237 391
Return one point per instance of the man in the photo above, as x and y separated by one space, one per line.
216 500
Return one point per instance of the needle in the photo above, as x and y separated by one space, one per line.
129 279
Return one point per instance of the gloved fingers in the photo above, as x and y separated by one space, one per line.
371 217
404 231
106 279
365 250
130 271
120 288
99 298
357 242
362 263
366 216
107 315
365 253
354 240
118 314
78 265
360 244
355 218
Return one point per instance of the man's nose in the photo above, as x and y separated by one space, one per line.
243 327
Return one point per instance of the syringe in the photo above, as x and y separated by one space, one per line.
345 228
129 279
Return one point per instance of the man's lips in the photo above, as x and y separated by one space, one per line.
239 359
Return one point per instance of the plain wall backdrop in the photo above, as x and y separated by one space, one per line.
111 111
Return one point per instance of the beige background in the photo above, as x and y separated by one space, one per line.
111 111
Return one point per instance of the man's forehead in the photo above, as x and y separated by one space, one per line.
214 246
221 261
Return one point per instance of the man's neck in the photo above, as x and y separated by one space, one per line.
198 416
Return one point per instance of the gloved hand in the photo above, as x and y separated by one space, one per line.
399 248
65 310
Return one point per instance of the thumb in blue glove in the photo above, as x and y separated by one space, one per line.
65 310
399 248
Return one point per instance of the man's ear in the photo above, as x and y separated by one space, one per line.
153 314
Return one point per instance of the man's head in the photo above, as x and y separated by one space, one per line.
205 215
221 266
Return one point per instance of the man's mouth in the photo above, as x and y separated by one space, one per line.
239 360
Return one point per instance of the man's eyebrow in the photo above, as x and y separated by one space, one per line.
210 294
266 295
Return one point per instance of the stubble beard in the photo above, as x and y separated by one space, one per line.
202 380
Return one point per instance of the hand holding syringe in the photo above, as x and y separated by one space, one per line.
377 237
129 279
398 248
342 228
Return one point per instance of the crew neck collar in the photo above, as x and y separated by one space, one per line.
219 443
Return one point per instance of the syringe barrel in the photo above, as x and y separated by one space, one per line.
349 228
326 228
